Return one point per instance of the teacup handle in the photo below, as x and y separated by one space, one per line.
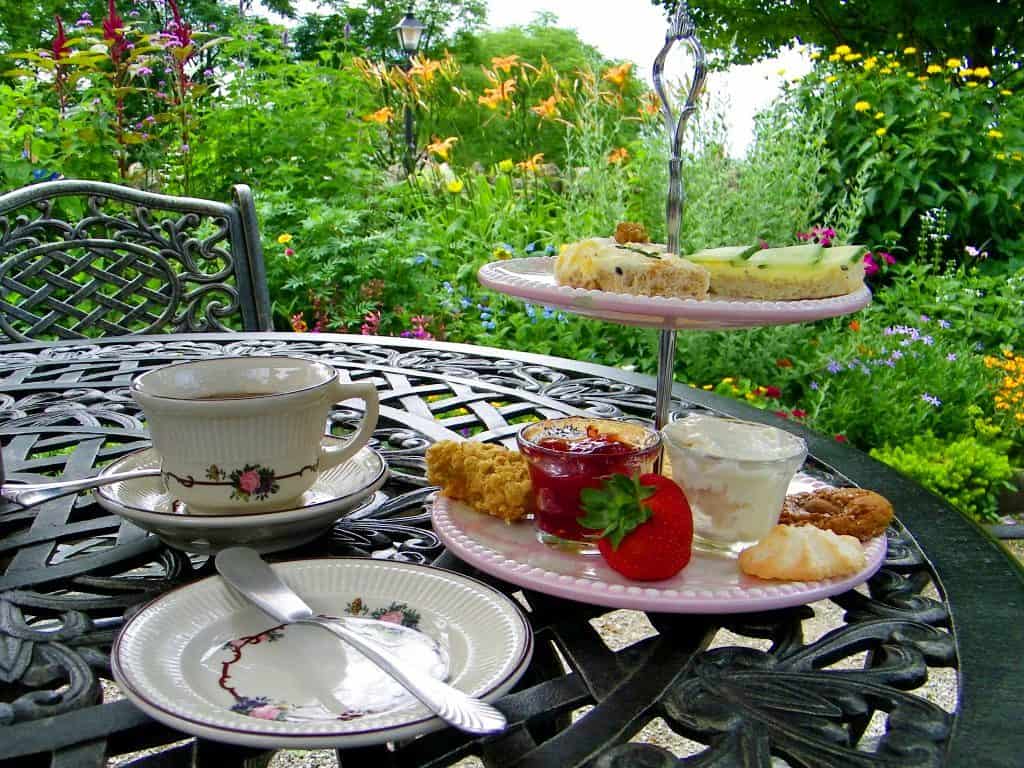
331 455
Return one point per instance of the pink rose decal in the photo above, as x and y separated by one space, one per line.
266 712
249 481
393 617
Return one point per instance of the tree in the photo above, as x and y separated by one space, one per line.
985 32
367 26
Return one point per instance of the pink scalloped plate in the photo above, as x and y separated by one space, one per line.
533 279
709 584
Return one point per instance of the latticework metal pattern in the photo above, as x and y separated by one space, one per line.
85 259
735 690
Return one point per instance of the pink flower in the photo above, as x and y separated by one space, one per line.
870 265
289 252
392 617
887 257
249 482
266 712
773 392
371 323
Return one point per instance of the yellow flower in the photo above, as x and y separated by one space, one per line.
852 57
982 71
506 165
966 72
816 55
881 131
454 186
923 79
862 106
728 380
879 115
842 50
884 71
1018 156
382 115
994 134
284 239
895 64
618 75
1000 155
834 57
972 84
910 50
945 115
870 64
933 69
831 79
442 148
546 109
505 63
952 63
617 156
1005 92
531 164
501 253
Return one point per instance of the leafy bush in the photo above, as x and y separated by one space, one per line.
919 135
969 471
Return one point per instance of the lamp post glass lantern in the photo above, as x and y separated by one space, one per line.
409 31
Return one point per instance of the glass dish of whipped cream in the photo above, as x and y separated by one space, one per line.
735 475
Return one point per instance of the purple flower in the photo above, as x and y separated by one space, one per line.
890 331
207 73
943 324
144 71
890 363
834 367
932 400
928 340
814 386
951 357
896 354
185 149
925 318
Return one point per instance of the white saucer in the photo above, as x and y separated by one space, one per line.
203 660
147 503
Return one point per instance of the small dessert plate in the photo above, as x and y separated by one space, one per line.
202 660
533 279
709 584
147 503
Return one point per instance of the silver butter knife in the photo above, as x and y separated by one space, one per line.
255 580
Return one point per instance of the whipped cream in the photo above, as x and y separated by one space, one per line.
735 475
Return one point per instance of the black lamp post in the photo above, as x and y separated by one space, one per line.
409 30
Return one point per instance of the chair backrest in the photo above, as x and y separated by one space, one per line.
81 259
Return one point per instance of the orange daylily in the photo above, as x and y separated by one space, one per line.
505 63
650 104
617 156
382 115
424 68
855 325
531 165
442 148
502 91
618 75
546 108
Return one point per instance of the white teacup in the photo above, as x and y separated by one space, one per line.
245 434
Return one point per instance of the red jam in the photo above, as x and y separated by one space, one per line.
558 478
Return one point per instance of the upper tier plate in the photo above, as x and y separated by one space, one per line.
533 279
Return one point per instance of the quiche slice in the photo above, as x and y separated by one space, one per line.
645 269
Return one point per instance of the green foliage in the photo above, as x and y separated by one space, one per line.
969 471
747 30
918 135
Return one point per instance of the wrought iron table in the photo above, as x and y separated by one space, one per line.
735 689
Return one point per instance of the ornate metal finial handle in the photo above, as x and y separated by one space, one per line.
680 29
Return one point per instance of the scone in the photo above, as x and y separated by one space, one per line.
802 553
846 511
602 263
489 478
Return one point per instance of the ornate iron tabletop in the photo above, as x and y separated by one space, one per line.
733 689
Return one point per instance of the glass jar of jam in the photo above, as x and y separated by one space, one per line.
567 455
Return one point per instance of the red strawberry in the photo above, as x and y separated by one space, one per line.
645 522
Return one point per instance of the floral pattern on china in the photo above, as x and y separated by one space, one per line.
268 707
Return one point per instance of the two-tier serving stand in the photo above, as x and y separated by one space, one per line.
532 279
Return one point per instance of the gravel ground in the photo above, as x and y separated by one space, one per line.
619 629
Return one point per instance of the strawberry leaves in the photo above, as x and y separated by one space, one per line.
615 508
